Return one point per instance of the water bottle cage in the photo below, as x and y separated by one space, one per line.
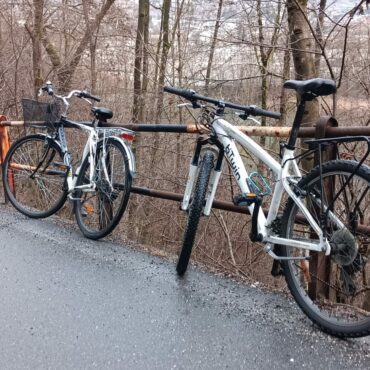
258 184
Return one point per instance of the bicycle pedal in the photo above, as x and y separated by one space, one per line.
245 200
277 269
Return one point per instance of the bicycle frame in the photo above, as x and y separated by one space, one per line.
89 151
286 173
91 144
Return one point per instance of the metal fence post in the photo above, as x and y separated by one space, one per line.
320 265
4 148
4 140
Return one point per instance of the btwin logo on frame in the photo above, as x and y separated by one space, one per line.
231 156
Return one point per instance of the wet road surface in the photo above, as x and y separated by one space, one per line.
71 303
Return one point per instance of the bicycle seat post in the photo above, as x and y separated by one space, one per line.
296 124
307 90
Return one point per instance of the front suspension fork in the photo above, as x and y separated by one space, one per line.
214 178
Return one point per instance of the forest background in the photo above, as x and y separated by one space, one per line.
125 51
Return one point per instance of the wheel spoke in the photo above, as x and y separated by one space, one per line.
99 211
333 290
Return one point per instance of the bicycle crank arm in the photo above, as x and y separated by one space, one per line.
87 187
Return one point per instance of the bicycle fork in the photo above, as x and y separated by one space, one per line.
214 177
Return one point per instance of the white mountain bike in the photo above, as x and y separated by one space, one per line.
38 173
320 242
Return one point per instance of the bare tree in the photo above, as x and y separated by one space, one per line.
141 61
319 30
301 45
213 44
165 22
36 37
266 55
66 69
92 43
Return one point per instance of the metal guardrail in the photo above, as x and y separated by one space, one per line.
304 132
325 127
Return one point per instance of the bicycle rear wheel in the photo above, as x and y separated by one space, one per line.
33 176
195 211
334 290
98 212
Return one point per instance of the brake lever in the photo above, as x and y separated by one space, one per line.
86 100
245 117
254 120
193 105
184 105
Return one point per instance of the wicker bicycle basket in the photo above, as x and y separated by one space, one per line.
40 114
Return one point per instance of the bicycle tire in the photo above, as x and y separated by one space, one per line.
195 211
99 212
332 291
40 194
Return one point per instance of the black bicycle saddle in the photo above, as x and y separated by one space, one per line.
102 114
315 86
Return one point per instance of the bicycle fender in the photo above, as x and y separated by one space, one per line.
130 155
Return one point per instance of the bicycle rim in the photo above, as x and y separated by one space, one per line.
33 176
334 291
98 212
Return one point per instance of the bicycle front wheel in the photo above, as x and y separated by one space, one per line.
34 175
195 211
333 291
99 211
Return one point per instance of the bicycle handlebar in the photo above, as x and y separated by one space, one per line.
48 88
192 96
80 94
85 94
187 94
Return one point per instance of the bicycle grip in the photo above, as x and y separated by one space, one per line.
255 111
187 94
85 94
48 88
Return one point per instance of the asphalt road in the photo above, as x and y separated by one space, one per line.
71 303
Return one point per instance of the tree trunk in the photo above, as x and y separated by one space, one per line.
66 33
304 65
301 44
319 27
213 45
92 45
66 71
263 67
145 78
180 75
139 79
140 87
163 63
36 37
161 70
264 59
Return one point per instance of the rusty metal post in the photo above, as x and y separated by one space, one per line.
4 140
320 265
4 148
